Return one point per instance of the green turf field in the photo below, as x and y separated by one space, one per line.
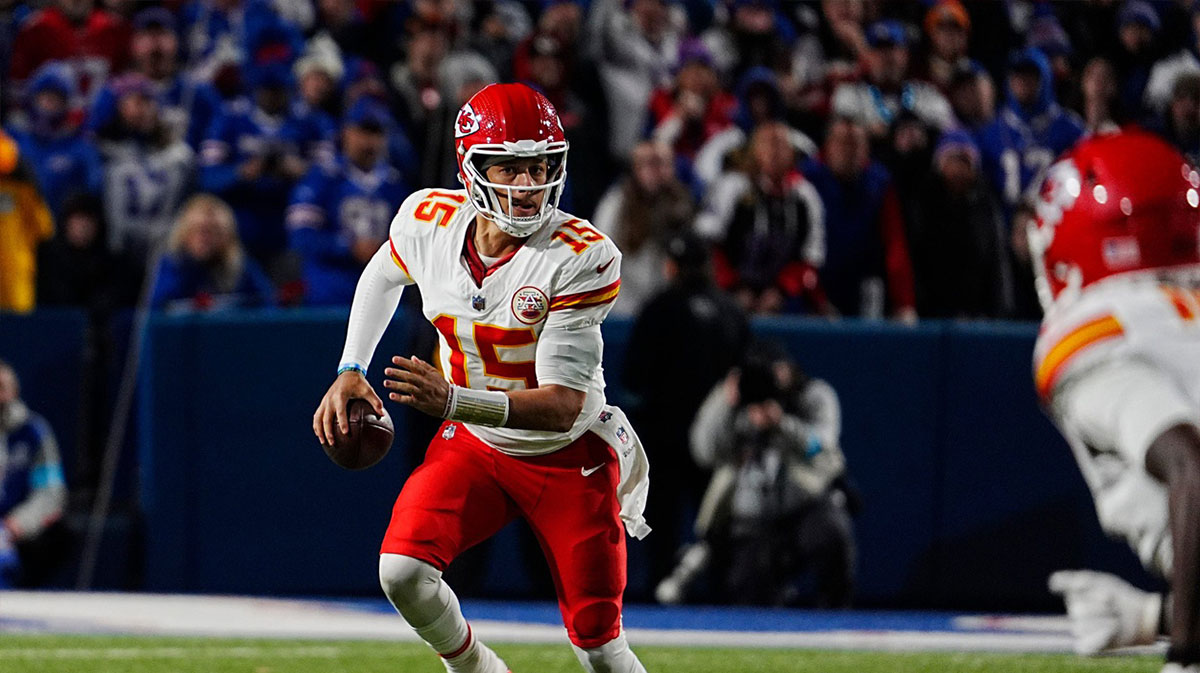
96 654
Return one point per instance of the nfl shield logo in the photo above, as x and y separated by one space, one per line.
478 302
622 435
448 433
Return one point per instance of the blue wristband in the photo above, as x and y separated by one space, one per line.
351 367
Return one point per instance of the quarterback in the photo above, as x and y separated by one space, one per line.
1117 363
516 290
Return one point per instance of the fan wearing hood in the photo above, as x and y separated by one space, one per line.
63 162
260 147
1030 129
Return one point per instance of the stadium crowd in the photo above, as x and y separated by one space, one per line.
839 157
859 158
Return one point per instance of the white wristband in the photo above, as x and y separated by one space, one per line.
482 407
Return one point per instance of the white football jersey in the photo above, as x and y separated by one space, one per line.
489 319
1117 367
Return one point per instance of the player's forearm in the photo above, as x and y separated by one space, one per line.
553 408
1185 580
1175 458
375 300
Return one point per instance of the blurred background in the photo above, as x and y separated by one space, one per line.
824 334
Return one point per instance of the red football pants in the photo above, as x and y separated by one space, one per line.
466 491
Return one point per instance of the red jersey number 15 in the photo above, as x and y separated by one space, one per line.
489 339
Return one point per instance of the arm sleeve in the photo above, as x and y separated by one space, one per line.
607 210
47 490
309 230
712 434
218 157
568 357
259 290
167 286
93 166
375 300
899 266
815 467
720 201
825 413
710 158
587 287
813 252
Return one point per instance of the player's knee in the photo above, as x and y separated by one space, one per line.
596 623
405 578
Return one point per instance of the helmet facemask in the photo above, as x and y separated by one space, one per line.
486 195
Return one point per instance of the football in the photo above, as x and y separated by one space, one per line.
368 441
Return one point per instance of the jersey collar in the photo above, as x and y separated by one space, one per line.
475 264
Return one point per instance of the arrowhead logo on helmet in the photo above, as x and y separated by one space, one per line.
503 122
468 122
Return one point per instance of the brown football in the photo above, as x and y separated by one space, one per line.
368 441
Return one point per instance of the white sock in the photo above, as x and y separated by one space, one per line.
427 603
611 657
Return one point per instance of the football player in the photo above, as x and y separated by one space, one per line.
516 290
1117 363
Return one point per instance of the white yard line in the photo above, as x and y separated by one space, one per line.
120 653
245 617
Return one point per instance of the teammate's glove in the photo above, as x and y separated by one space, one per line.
1106 612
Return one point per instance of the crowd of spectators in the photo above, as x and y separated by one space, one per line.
858 158
839 157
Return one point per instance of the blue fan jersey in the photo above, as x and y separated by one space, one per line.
64 165
332 208
243 131
187 107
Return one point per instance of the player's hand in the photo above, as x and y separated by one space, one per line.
418 384
332 409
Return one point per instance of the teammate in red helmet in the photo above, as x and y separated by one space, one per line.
1116 248
516 290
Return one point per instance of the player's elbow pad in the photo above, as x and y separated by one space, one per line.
569 357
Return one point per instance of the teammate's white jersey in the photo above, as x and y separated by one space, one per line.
1117 367
490 319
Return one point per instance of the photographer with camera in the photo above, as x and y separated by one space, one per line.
778 502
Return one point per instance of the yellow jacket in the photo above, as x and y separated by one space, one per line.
24 223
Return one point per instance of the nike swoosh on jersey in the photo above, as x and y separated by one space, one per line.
587 472
604 267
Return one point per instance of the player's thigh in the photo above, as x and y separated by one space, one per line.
577 522
450 503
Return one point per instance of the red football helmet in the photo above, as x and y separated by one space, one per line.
504 121
1114 204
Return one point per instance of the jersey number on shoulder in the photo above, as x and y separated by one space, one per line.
578 236
1186 302
440 206
489 339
